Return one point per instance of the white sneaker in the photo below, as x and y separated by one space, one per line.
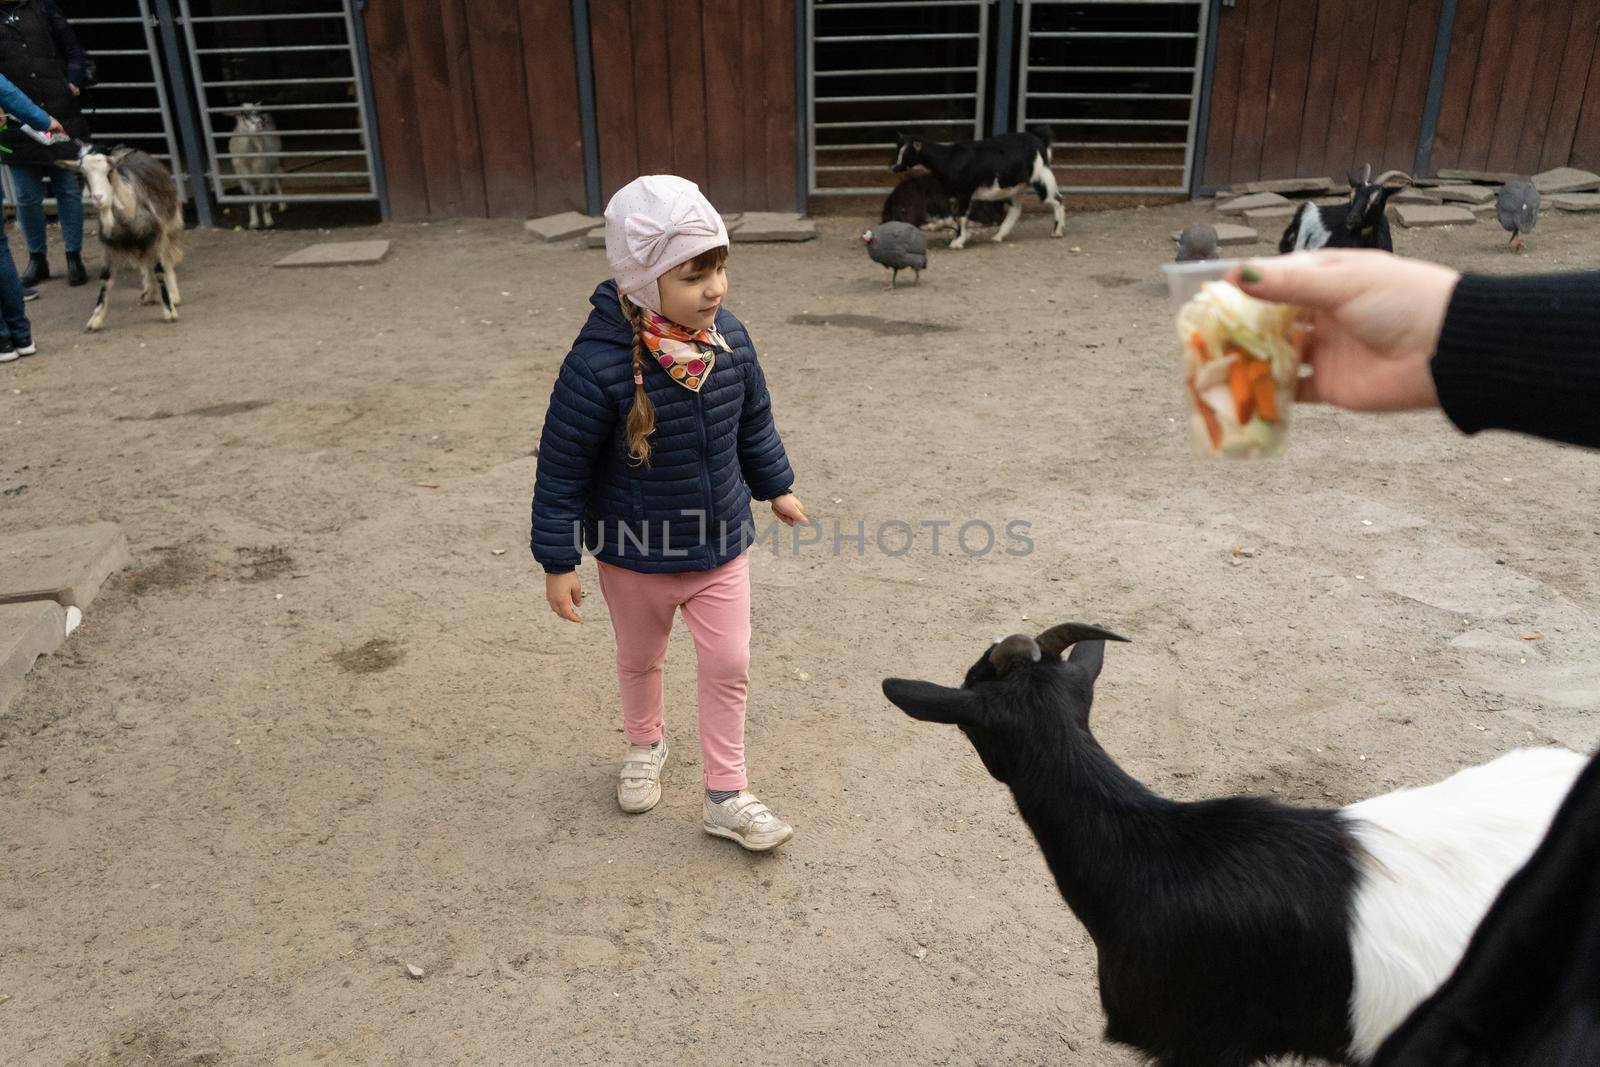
745 819
639 786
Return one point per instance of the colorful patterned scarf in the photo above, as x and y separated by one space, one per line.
686 355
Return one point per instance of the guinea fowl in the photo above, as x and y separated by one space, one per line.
1519 209
1198 241
898 246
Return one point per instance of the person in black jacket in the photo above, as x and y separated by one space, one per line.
1496 353
40 53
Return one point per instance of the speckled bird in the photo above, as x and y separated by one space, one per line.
1518 206
1198 241
898 246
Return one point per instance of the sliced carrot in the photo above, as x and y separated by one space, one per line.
1299 336
1266 398
1239 382
1213 427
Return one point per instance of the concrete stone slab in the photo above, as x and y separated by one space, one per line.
1576 202
1229 233
1413 216
1467 194
1290 186
595 238
1566 180
65 564
562 227
336 254
1271 214
27 631
1488 207
1493 177
1251 202
1416 196
773 226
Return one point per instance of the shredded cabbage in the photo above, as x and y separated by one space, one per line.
1230 340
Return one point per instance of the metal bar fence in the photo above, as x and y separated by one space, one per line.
213 61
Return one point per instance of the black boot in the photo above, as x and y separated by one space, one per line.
76 275
38 269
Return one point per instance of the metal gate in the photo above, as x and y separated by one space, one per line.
1118 82
925 63
129 105
313 87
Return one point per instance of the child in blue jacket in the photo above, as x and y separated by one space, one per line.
659 433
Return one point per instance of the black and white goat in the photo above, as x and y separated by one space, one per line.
1358 223
141 224
996 168
1527 991
1237 929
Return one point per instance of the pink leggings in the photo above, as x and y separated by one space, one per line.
716 605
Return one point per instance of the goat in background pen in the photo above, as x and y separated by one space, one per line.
255 150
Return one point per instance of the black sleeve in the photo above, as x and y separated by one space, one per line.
66 43
1523 354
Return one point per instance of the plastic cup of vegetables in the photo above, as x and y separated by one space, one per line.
1241 359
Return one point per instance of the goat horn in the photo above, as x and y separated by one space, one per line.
1386 175
1057 638
1008 653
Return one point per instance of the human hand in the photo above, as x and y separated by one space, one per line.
1377 319
789 509
72 87
564 593
56 127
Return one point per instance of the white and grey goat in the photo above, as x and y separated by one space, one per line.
1237 929
256 151
141 224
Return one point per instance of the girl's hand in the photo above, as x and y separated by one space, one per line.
564 594
789 509
56 127
1377 320
73 88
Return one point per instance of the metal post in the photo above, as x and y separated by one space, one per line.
194 158
1199 86
586 107
369 106
1202 125
983 67
811 97
1022 66
1002 66
1422 165
802 128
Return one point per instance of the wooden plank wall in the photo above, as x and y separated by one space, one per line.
477 104
1522 89
717 108
1304 88
477 101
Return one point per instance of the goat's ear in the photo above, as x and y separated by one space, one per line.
1090 656
70 164
930 702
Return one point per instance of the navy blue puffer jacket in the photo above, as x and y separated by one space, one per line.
689 510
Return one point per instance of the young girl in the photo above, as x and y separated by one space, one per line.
659 433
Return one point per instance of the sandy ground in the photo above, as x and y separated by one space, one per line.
328 728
